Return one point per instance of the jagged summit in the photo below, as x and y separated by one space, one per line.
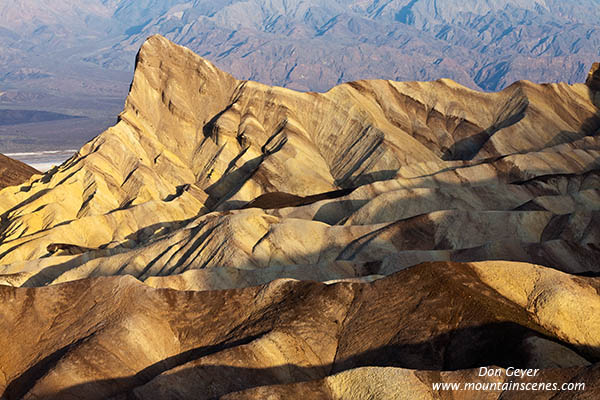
311 244
192 139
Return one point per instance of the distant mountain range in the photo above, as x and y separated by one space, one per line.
315 44
74 56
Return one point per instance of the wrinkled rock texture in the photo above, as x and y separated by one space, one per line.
227 239
77 56
105 337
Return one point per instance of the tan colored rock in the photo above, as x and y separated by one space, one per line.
380 219
219 278
395 383
547 354
192 139
97 338
551 296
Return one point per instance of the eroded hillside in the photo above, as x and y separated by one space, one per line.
432 221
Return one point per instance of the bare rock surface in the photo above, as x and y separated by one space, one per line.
104 337
228 238
203 170
397 383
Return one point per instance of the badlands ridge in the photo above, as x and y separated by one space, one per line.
227 239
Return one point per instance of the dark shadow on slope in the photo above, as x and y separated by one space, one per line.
142 238
405 15
67 249
555 184
192 250
420 237
362 154
334 213
590 127
375 176
211 128
589 274
49 274
234 178
276 200
581 258
20 386
230 183
154 370
179 190
510 113
493 344
568 137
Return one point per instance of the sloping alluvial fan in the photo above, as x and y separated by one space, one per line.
227 239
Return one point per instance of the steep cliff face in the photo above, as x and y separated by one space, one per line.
432 221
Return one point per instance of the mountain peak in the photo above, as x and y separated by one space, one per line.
209 183
192 139
169 87
159 52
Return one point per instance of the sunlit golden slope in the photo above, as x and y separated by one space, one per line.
430 171
361 243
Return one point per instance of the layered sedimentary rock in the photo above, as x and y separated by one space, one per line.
227 238
13 172
106 337
359 164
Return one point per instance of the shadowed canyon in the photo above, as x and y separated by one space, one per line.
228 239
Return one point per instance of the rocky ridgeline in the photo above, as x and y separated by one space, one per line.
228 239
